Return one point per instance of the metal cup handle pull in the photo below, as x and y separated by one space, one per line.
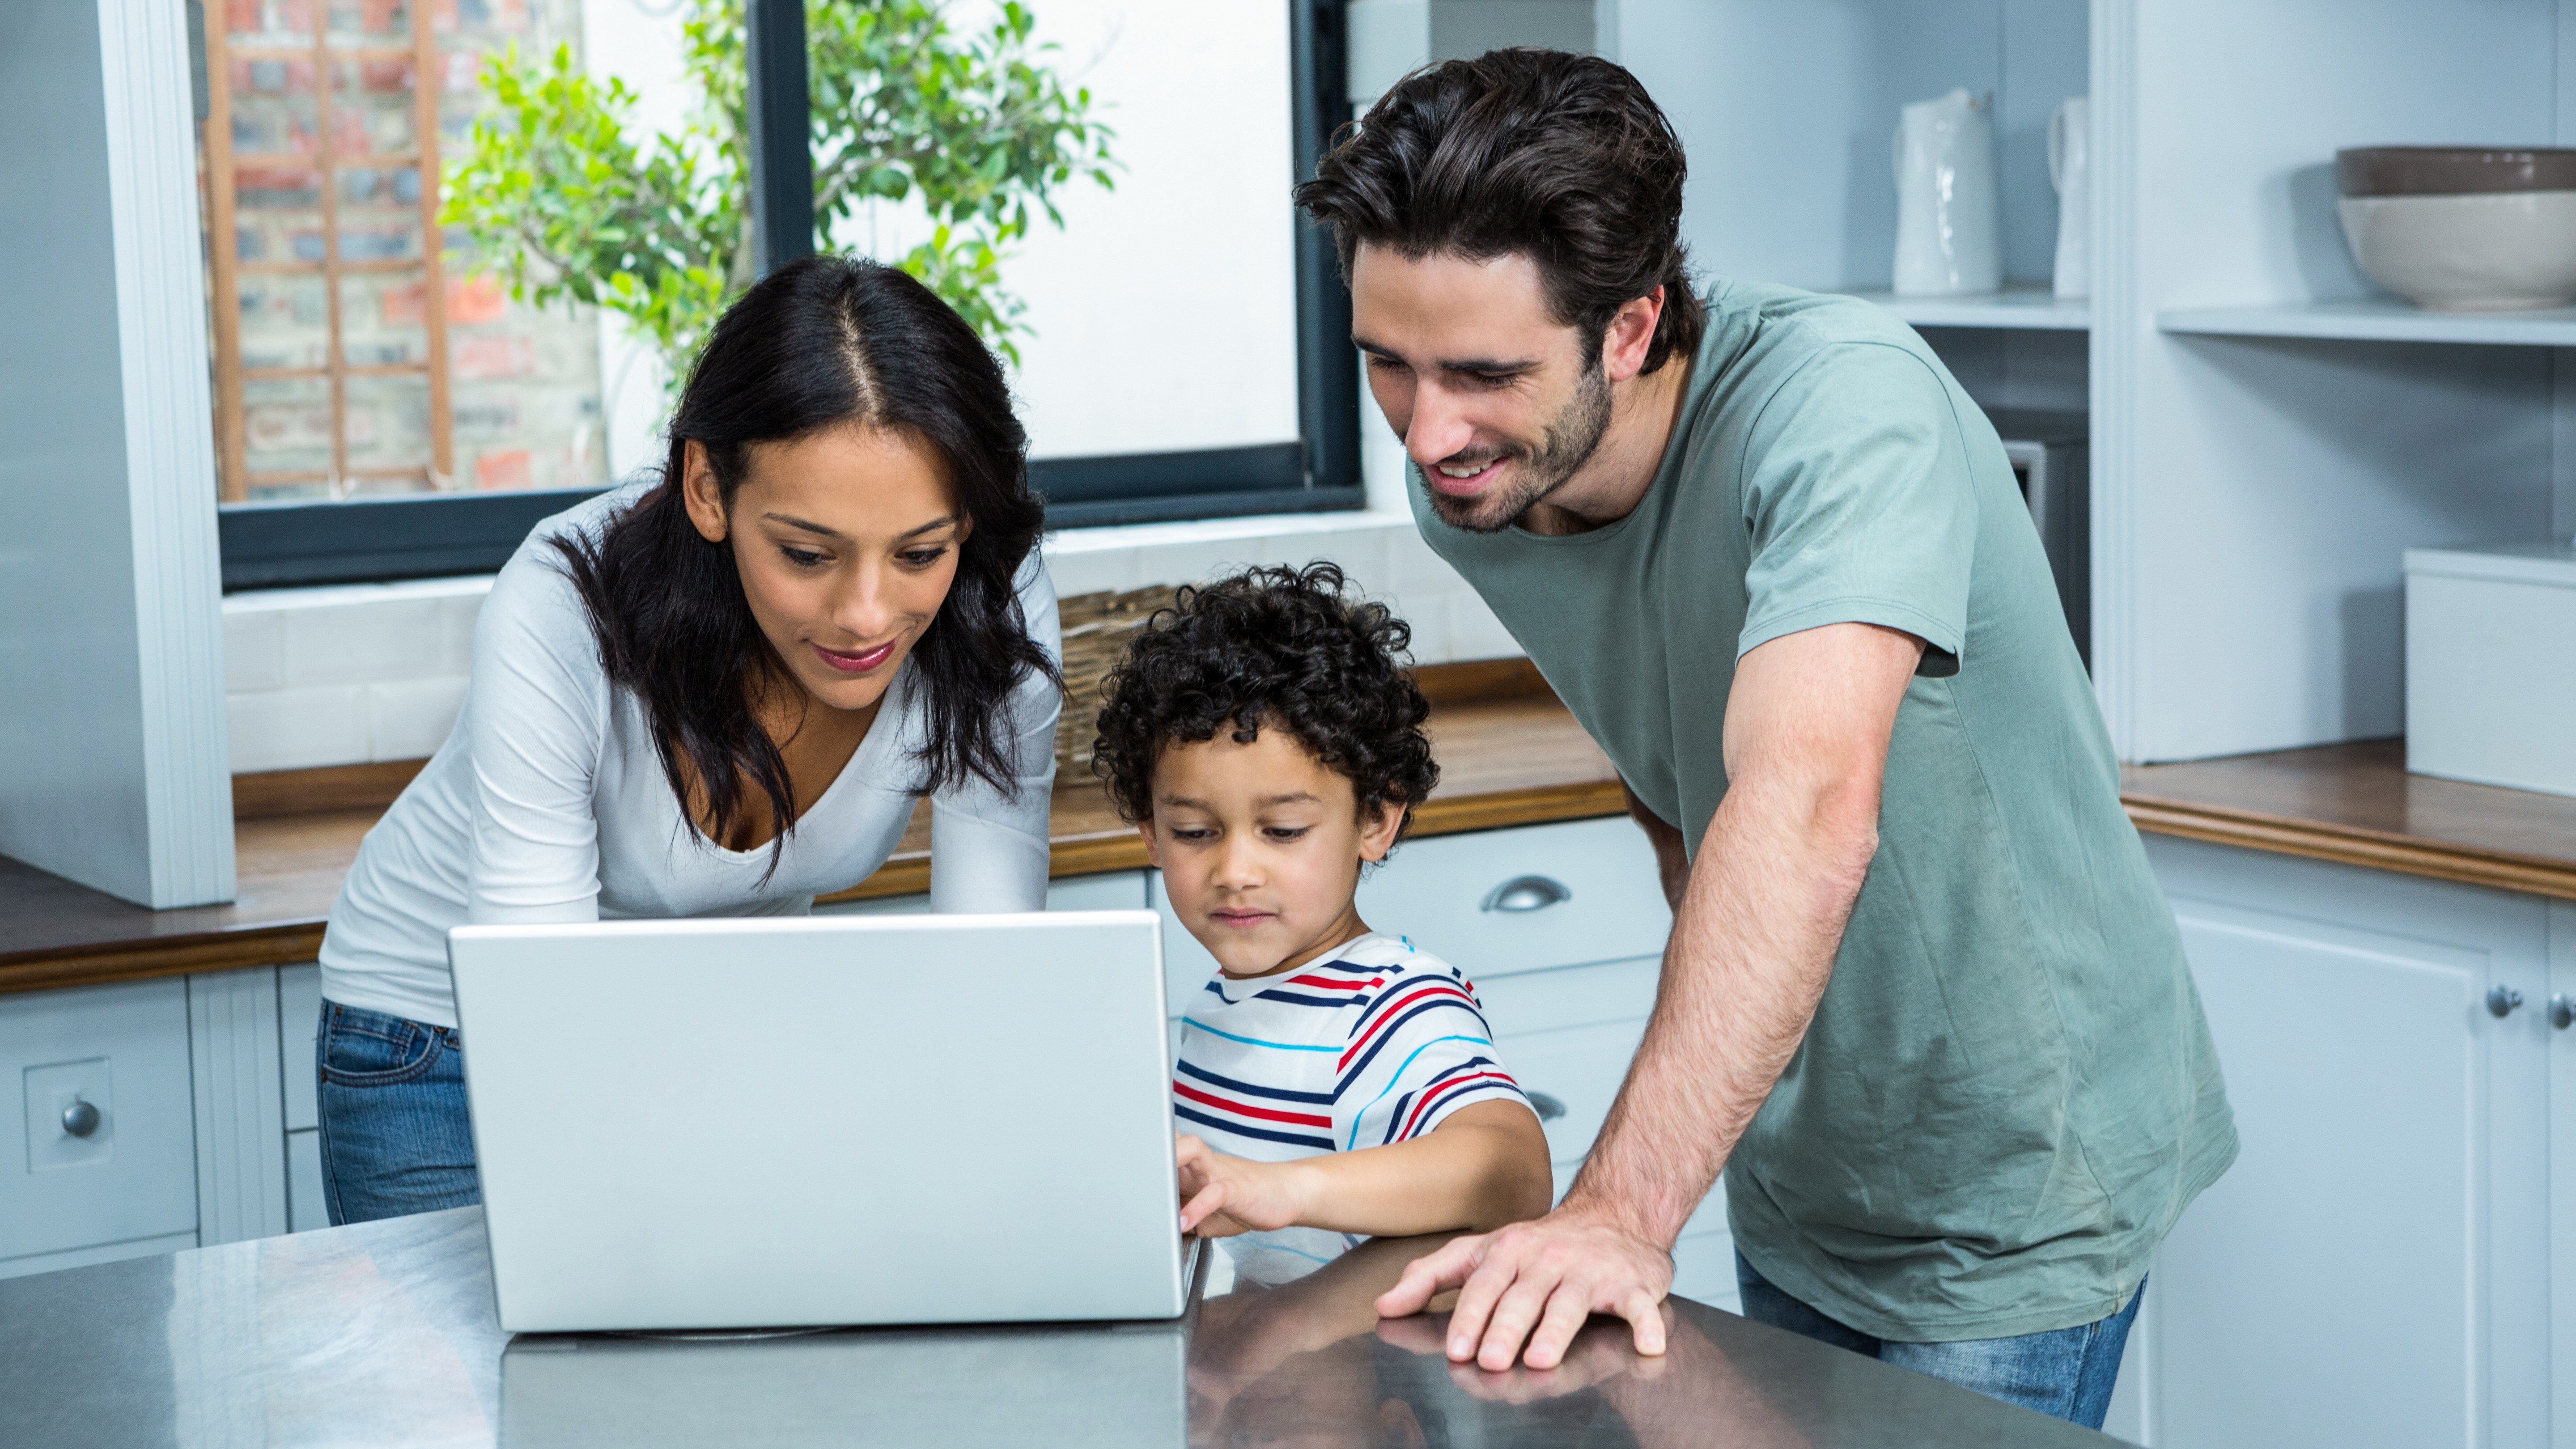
1548 1108
80 1118
1528 893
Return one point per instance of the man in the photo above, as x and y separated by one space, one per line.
1923 1001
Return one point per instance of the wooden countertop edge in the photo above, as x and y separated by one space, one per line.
1121 849
288 942
278 944
2345 845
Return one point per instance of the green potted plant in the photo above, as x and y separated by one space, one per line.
973 127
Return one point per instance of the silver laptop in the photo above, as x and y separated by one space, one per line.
710 1124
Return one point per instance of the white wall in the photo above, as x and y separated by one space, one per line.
112 747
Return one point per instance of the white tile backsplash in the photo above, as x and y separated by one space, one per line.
355 643
408 719
1474 632
254 651
346 674
297 729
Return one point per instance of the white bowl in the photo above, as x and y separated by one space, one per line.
2492 251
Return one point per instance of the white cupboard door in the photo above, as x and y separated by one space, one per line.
2560 1014
2346 1281
97 1145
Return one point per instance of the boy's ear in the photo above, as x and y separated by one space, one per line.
1153 847
1378 828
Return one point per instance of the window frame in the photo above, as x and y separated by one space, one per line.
379 540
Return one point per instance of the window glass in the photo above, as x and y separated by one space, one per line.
358 349
1164 313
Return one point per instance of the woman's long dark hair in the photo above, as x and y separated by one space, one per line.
820 343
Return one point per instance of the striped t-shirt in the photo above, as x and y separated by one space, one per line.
1373 1046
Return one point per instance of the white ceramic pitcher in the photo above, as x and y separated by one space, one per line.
1949 222
2070 170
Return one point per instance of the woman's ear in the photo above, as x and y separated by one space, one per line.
699 491
1378 828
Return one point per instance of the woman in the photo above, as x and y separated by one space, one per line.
719 695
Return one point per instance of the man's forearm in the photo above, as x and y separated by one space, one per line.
1753 941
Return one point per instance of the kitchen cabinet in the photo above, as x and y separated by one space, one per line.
2375 1268
97 1135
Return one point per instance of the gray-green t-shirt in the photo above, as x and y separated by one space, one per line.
2008 1092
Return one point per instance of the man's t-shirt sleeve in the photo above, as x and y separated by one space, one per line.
1861 504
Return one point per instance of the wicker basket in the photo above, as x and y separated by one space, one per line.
1096 630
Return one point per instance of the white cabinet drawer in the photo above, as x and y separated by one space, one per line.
1436 892
122 1050
1535 1001
1581 1068
1433 893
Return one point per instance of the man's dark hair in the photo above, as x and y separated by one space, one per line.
1562 157
1280 646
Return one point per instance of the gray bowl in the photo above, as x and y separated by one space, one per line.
2453 170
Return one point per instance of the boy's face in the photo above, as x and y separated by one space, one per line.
1260 846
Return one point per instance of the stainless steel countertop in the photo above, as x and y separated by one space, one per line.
383 1334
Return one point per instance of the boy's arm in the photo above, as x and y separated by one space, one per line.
1485 1165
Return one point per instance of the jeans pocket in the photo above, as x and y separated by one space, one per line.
371 1049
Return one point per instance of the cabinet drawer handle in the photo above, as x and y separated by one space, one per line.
80 1118
2562 1011
1528 893
2502 1000
1548 1108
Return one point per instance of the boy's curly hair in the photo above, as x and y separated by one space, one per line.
1281 645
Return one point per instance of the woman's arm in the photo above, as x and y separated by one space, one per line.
1485 1165
534 723
988 849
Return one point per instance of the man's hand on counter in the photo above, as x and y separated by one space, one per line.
1539 1281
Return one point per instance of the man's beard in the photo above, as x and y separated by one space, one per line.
1568 441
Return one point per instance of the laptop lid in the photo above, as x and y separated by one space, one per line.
822 1120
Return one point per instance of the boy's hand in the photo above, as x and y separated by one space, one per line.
1222 1196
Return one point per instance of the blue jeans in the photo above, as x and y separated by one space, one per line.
395 1137
2066 1372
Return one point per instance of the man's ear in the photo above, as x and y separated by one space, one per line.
1378 828
700 494
1631 333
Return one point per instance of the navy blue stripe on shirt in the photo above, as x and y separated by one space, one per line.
1433 1088
1276 1094
1324 1144
1434 1096
1402 986
1396 1025
1301 999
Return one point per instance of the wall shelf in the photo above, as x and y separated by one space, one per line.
2032 307
2377 320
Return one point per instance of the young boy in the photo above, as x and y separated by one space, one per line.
1264 739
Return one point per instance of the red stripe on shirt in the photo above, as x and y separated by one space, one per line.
1267 1114
1329 985
1390 1013
1446 1089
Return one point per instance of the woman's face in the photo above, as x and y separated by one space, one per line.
847 542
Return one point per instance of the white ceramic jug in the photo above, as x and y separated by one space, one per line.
1949 224
2070 170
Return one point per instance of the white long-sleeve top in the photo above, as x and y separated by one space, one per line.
548 803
